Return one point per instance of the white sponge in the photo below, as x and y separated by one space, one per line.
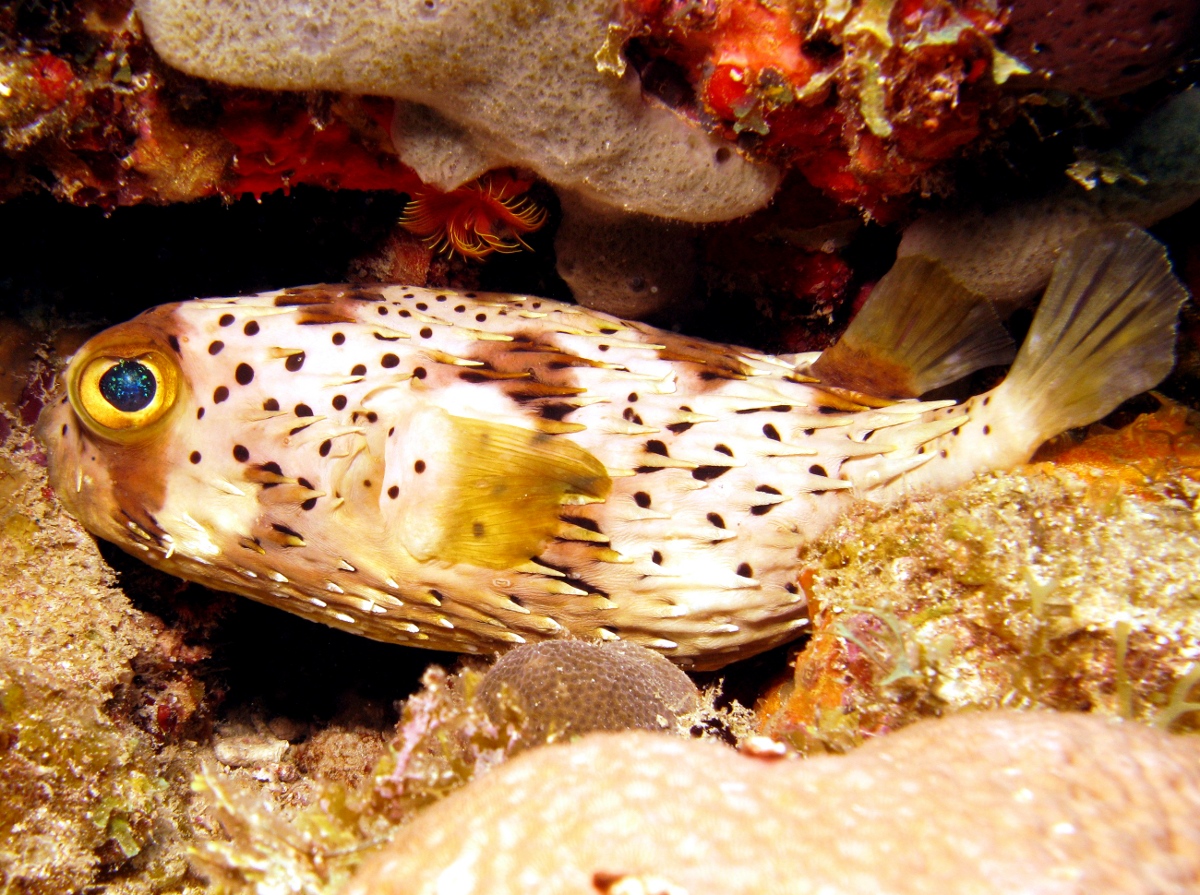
516 83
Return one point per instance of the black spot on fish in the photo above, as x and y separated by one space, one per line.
761 509
216 347
244 374
174 343
642 499
656 558
285 530
744 570
987 430
817 469
584 523
723 449
226 320
220 393
294 362
708 473
358 370
338 339
419 373
388 361
679 428
271 405
241 453
771 432
421 306
439 298
195 455
419 467
791 588
251 328
481 317
716 520
200 413
458 309
394 492
303 410
633 396
270 467
768 489
372 416
325 447
477 529
339 402
382 310
654 446
308 504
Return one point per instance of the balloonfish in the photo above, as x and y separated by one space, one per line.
468 471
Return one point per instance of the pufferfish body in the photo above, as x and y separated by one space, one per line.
471 471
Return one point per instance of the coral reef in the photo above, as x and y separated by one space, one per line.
87 792
1100 49
552 108
562 689
1007 253
1068 585
987 803
865 99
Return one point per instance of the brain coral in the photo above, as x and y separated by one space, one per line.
979 803
504 83
563 688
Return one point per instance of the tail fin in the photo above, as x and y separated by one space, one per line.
1104 331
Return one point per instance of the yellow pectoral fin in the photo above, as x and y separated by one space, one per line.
483 493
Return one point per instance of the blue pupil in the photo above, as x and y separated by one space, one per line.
128 386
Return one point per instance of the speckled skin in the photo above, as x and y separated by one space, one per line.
287 470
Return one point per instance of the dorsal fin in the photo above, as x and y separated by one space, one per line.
919 329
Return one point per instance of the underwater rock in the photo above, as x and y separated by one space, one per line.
562 689
551 107
632 266
1066 585
1100 49
86 793
1007 253
987 802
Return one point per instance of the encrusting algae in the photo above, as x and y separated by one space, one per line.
1068 584
468 472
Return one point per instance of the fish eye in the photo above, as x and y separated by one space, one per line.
128 385
121 394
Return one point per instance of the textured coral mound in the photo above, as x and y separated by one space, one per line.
1067 585
564 688
985 803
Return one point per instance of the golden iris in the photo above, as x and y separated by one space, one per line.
120 396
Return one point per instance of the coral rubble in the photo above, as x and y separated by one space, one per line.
986 802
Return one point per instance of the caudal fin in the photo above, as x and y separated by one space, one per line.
1104 331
